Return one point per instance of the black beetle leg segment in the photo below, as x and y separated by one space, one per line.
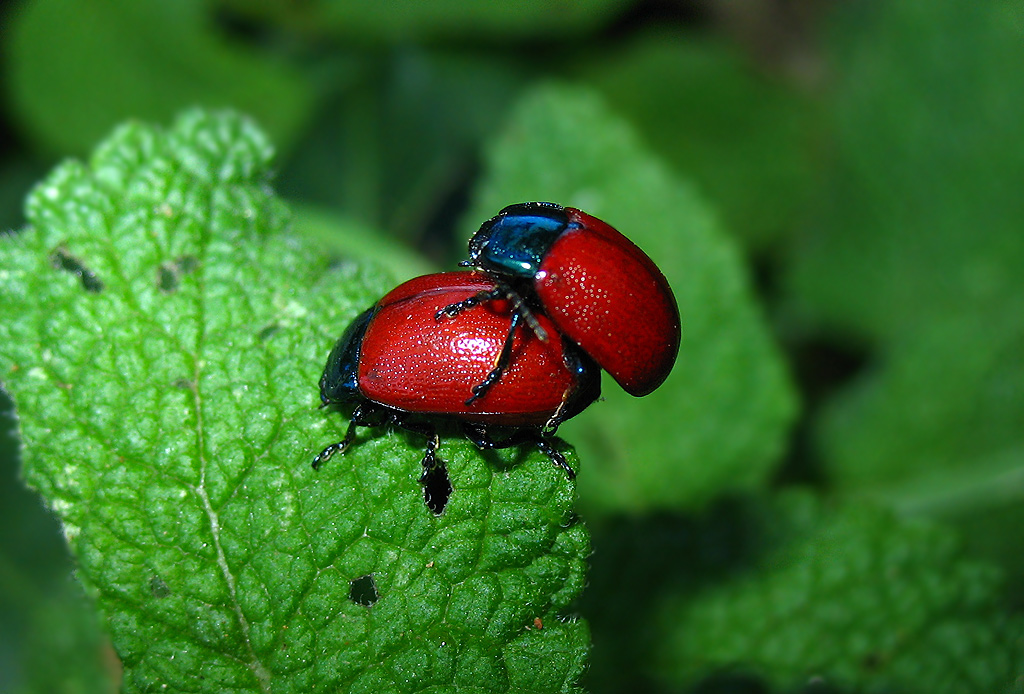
338 447
427 431
500 364
500 291
452 310
430 455
362 416
481 438
551 426
520 308
545 447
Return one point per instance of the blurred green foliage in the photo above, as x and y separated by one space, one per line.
862 160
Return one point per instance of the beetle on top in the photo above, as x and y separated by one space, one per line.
596 286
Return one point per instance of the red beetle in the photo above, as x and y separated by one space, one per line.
400 366
596 286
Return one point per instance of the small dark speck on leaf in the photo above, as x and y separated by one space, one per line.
168 275
183 384
363 591
62 259
266 332
158 588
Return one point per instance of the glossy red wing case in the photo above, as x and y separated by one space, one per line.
604 293
411 361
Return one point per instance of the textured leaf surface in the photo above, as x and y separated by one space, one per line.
859 600
720 420
162 335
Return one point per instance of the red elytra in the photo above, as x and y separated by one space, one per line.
411 361
401 363
607 295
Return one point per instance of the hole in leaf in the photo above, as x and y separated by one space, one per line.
436 488
158 588
168 275
62 259
363 591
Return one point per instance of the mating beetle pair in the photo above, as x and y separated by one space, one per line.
517 344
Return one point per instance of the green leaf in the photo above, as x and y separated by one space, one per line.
921 252
923 218
719 422
938 428
743 138
347 237
859 600
44 618
162 334
400 135
72 80
62 628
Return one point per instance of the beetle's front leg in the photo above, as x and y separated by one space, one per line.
452 310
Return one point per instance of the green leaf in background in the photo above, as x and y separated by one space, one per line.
63 649
396 20
742 136
44 618
940 428
348 238
922 250
162 335
924 216
720 421
856 600
16 179
400 134
75 71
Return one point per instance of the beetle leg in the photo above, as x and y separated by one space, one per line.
545 447
437 487
338 447
430 455
452 310
519 307
479 435
584 391
500 364
499 291
550 427
423 429
362 416
520 312
481 438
